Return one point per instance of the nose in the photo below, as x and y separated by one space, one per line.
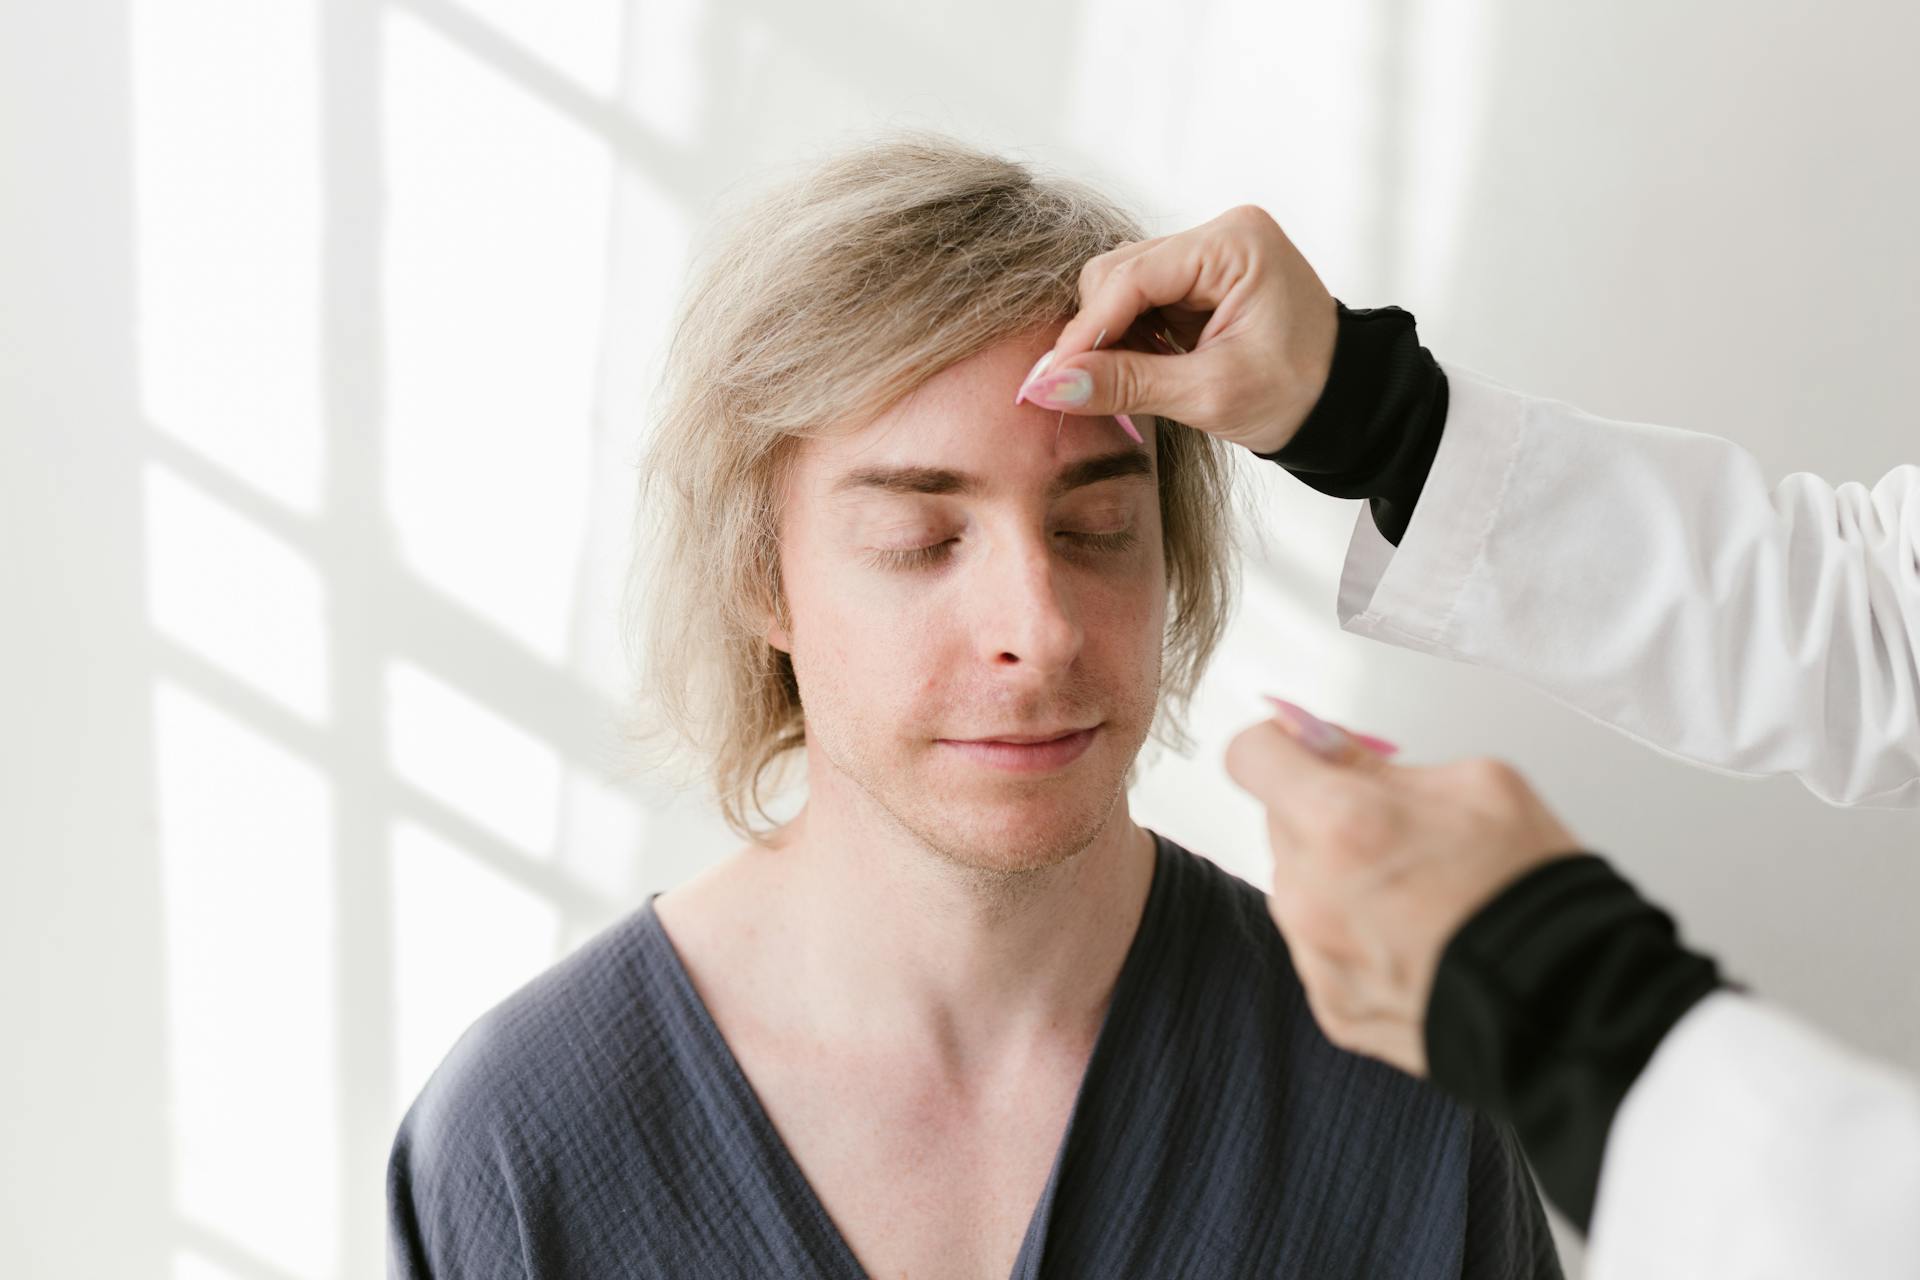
1023 610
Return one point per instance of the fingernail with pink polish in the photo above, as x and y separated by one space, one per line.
1314 733
1379 746
1067 389
1039 367
1131 430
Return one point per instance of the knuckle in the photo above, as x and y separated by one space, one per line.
1493 789
1093 271
1484 774
1125 388
1253 217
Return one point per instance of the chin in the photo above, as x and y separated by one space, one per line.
1011 834
994 823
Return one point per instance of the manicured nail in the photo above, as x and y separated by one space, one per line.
1039 367
1315 734
1067 389
1379 746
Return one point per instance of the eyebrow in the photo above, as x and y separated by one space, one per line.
940 480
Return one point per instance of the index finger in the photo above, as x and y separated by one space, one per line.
1093 273
1146 274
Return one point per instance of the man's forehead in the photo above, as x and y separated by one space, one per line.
972 446
960 434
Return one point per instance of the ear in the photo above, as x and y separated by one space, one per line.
774 630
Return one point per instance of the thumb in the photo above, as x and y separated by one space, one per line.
1123 381
1268 762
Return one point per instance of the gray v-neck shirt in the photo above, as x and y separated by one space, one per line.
596 1124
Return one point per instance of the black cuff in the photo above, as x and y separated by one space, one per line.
1548 1003
1374 430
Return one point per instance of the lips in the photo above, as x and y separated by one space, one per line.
1024 739
1024 752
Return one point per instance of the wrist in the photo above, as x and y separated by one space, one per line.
1375 428
1549 1001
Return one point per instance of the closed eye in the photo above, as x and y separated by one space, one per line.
910 557
935 552
1118 540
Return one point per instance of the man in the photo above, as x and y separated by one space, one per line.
960 1016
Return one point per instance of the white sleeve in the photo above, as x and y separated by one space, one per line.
1650 578
1753 1146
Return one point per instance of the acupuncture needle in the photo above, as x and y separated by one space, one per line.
1164 336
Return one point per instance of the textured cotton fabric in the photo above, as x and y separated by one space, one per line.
595 1124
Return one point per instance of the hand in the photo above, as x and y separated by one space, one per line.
1376 866
1252 332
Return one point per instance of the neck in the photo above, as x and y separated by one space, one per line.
898 942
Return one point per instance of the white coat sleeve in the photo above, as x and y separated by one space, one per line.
1651 578
1753 1146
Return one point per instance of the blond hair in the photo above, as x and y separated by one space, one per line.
828 300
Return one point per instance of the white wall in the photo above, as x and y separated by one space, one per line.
325 338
